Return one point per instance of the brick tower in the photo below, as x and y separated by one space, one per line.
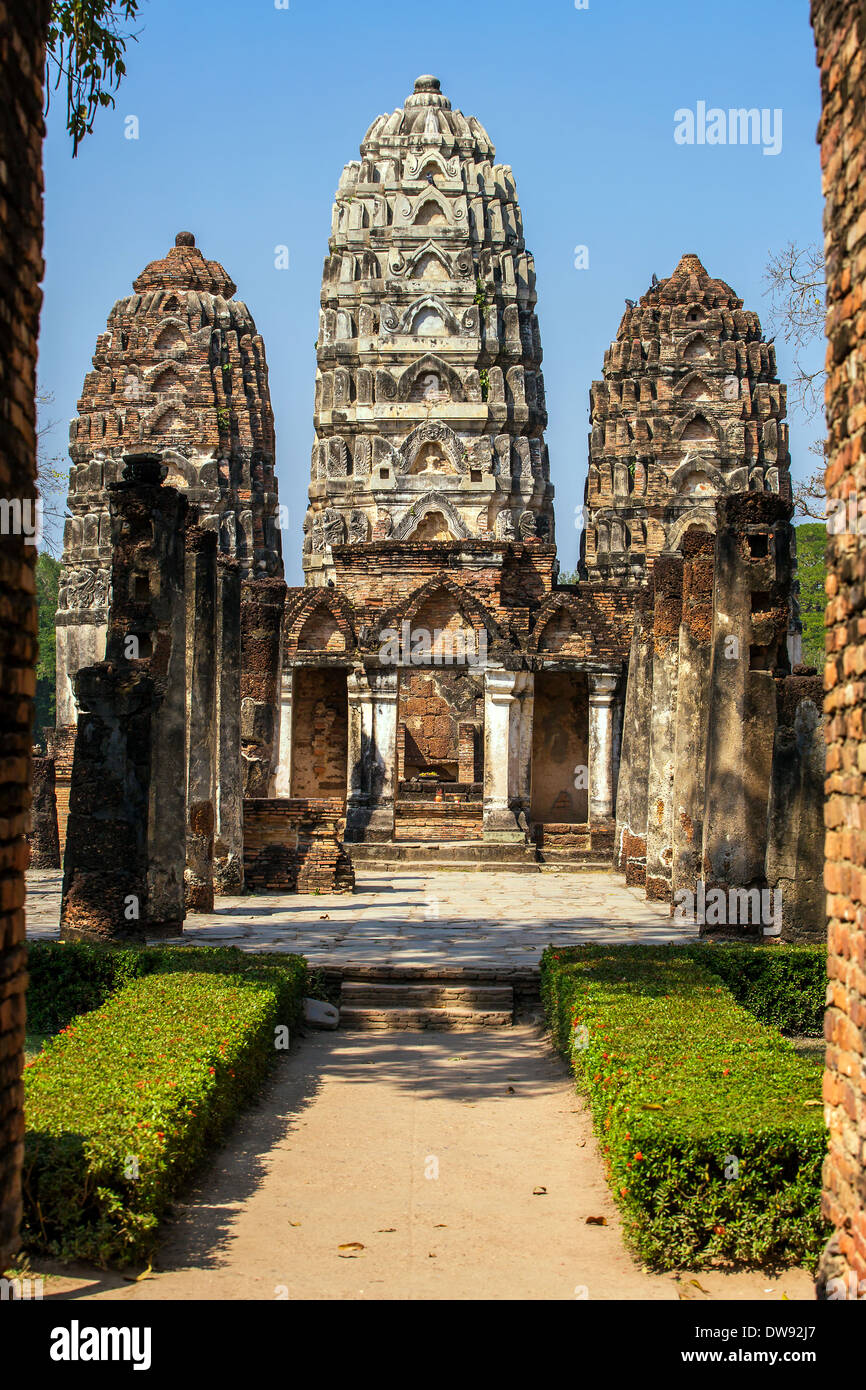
688 410
180 371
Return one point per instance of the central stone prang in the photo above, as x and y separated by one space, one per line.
430 408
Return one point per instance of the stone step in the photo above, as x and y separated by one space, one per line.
461 866
405 994
478 856
577 866
410 851
414 1003
450 1020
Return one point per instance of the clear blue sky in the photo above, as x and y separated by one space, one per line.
248 113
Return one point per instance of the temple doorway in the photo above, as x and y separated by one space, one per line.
440 754
560 749
320 733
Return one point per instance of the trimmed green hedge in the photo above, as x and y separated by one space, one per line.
71 978
682 1081
785 986
127 1101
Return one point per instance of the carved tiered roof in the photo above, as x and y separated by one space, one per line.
689 408
180 371
430 408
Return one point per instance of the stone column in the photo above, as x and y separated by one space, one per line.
500 756
692 710
278 686
631 803
261 627
795 845
43 837
360 743
523 711
125 851
750 621
201 741
668 577
283 774
384 689
602 692
229 834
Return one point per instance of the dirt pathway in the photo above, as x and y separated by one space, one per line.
427 1150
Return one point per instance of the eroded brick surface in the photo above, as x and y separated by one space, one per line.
22 29
840 35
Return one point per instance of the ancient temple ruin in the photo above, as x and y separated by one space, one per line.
432 684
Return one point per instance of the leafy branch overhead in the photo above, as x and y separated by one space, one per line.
86 47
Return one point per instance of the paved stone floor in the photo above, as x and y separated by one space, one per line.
416 918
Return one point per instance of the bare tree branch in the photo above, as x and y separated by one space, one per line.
52 479
797 287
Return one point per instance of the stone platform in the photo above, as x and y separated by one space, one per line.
416 919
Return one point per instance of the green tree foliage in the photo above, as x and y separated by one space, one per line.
47 582
812 572
86 46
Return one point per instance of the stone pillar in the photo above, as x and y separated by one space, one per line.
80 637
201 723
668 581
750 625
384 689
631 804
618 710
523 711
126 837
501 735
283 775
692 711
262 604
229 835
360 743
602 692
43 837
795 840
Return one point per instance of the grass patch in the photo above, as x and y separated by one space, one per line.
129 1099
711 1125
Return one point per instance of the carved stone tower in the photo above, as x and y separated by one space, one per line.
689 409
180 371
430 409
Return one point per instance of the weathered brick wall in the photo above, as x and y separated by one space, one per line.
22 29
840 35
295 845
